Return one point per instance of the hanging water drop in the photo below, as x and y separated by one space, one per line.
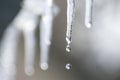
68 66
68 48
88 13
70 16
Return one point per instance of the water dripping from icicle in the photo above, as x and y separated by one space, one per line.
68 48
70 16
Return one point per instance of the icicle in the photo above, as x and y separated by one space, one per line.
88 13
70 16
46 34
45 38
27 22
8 53
29 37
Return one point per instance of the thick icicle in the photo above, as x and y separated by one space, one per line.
88 13
70 16
27 22
46 34
8 53
29 26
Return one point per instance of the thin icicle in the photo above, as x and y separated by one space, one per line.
46 34
88 13
70 16
45 40
29 37
8 53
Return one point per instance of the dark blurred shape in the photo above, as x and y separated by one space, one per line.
8 10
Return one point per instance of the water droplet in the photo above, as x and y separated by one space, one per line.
68 48
68 66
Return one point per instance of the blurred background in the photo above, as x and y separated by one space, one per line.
95 53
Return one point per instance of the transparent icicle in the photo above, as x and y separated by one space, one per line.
88 13
46 34
29 38
70 16
8 53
